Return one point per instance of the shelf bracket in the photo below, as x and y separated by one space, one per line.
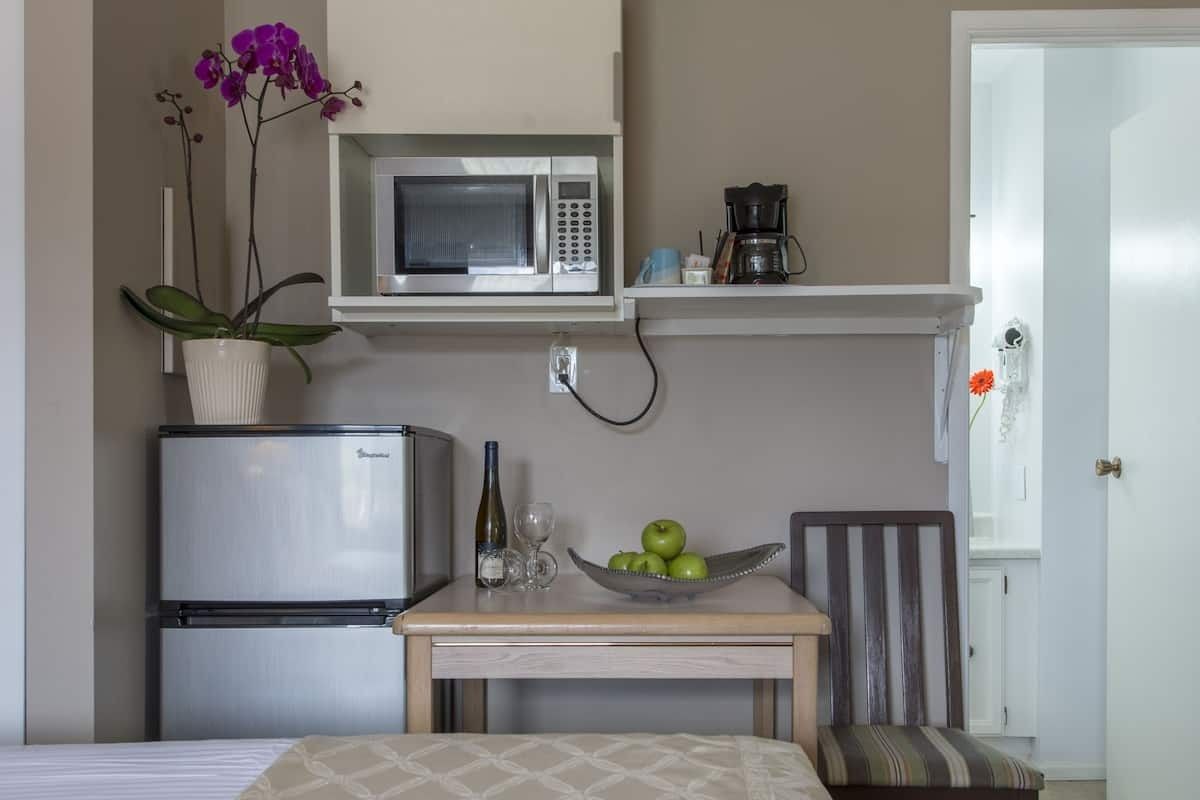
947 361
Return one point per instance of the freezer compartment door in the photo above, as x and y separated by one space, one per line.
245 683
287 518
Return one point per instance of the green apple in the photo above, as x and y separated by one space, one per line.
688 566
664 538
649 564
621 560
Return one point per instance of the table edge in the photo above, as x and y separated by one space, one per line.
418 623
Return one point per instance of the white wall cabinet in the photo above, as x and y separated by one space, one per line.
479 66
1002 635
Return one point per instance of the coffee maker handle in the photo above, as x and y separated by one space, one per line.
643 276
803 257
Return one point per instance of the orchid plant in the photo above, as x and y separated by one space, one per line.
265 59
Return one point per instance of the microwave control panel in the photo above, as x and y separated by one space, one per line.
574 216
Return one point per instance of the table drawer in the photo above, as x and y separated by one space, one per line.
601 660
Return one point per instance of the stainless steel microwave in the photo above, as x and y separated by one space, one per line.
487 225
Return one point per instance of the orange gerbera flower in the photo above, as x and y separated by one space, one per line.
982 382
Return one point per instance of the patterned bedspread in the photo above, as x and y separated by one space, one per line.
541 767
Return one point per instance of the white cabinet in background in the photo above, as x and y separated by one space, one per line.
985 654
1002 635
479 66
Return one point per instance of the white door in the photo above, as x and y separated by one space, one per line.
1154 427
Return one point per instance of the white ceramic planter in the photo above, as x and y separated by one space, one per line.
227 380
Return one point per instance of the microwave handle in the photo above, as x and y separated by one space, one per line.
541 224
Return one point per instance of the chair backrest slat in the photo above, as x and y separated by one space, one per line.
875 526
954 669
838 561
799 579
912 649
875 618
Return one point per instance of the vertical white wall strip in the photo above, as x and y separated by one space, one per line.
12 367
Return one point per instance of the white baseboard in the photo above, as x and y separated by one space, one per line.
1073 772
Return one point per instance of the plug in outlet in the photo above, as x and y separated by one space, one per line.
563 359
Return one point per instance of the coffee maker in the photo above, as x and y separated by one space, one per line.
756 216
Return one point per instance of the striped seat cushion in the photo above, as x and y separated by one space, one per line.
943 758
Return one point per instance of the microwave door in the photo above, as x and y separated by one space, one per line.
466 227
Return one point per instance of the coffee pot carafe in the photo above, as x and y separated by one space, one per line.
756 216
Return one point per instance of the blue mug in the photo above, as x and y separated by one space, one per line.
661 266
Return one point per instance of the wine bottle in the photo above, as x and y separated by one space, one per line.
491 526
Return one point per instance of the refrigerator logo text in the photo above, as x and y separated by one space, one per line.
364 454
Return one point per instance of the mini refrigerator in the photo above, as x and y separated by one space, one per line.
285 554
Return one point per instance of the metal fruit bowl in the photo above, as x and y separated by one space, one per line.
723 569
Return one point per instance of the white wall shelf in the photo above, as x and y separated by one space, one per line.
483 315
930 309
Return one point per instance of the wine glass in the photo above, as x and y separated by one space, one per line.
533 524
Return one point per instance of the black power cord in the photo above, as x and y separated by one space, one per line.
565 380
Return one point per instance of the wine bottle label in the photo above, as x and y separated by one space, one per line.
490 564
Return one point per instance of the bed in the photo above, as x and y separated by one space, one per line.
210 770
422 767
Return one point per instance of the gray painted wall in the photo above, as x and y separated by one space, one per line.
12 364
95 389
58 378
139 155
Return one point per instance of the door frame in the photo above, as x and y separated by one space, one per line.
967 28
12 366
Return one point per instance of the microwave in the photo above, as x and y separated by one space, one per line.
514 225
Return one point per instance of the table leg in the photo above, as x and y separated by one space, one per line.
804 694
474 705
418 684
764 708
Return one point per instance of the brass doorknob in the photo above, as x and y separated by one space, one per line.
1105 467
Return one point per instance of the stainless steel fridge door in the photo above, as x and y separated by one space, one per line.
287 518
220 683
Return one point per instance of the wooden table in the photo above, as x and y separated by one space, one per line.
757 628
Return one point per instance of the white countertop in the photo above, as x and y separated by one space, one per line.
993 551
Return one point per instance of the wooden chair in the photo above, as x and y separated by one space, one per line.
911 757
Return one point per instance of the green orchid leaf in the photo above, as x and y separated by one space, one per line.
295 335
303 364
292 351
252 307
183 305
176 327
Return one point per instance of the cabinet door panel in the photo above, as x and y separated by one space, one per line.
1020 648
985 673
479 66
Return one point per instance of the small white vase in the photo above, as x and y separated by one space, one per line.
227 380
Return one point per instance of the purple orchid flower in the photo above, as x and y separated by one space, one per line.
233 88
309 72
209 69
243 45
332 107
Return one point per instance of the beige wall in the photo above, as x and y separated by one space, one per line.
849 105
58 466
141 46
97 153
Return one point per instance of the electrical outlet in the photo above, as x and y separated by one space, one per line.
563 359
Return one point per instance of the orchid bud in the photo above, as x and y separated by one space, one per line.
356 101
159 97
358 84
198 138
187 109
206 53
169 120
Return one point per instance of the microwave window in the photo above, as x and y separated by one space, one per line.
574 190
464 225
